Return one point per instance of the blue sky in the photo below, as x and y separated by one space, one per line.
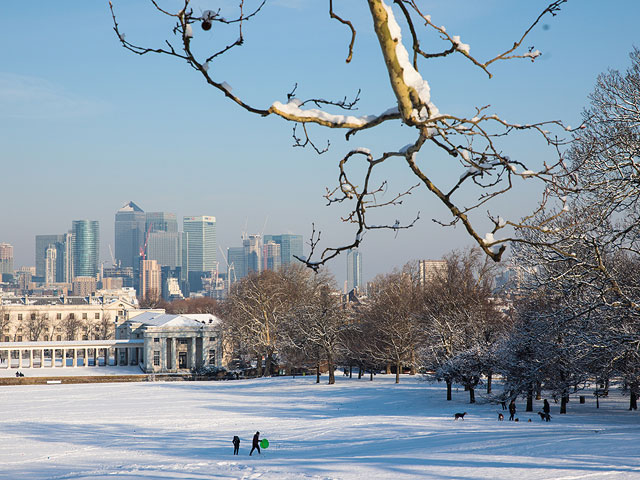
87 126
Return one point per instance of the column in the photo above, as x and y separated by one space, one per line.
192 351
30 357
42 357
20 358
64 357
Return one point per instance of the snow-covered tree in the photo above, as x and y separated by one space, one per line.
473 138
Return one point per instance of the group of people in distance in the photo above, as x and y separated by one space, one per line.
544 415
255 446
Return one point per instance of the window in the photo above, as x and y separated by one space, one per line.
6 339
19 316
212 339
84 316
183 341
33 316
58 316
19 338
85 337
72 316
97 316
46 338
212 357
156 358
59 338
6 316
156 340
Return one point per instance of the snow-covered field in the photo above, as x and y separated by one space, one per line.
355 429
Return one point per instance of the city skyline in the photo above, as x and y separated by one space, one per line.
88 125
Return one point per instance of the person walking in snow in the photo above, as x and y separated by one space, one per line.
512 410
546 409
256 443
236 444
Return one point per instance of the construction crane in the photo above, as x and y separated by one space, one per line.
113 259
143 249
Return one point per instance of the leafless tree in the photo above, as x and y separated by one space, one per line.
258 308
474 138
392 315
36 323
105 329
319 322
71 325
456 311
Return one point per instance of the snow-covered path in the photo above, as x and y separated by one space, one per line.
355 429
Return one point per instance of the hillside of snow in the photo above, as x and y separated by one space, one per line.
355 429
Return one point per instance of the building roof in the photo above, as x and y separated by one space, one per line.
130 207
157 319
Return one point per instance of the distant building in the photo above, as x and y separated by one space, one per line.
51 256
237 265
150 279
42 243
200 235
84 286
429 270
6 259
354 270
86 247
290 246
253 253
129 235
272 259
161 222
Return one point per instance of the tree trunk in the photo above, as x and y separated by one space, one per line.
538 390
448 389
332 375
371 375
413 363
359 371
563 403
472 395
529 407
350 371
397 372
388 371
317 372
259 366
267 365
489 375
633 400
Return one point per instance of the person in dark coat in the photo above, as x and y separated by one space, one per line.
512 409
546 409
256 443
236 444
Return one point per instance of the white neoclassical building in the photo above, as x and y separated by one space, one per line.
170 343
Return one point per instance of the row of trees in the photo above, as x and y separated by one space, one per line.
297 318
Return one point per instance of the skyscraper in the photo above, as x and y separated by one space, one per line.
271 256
164 240
354 270
42 243
237 263
50 264
129 235
201 246
150 279
253 253
290 246
161 222
86 247
6 259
